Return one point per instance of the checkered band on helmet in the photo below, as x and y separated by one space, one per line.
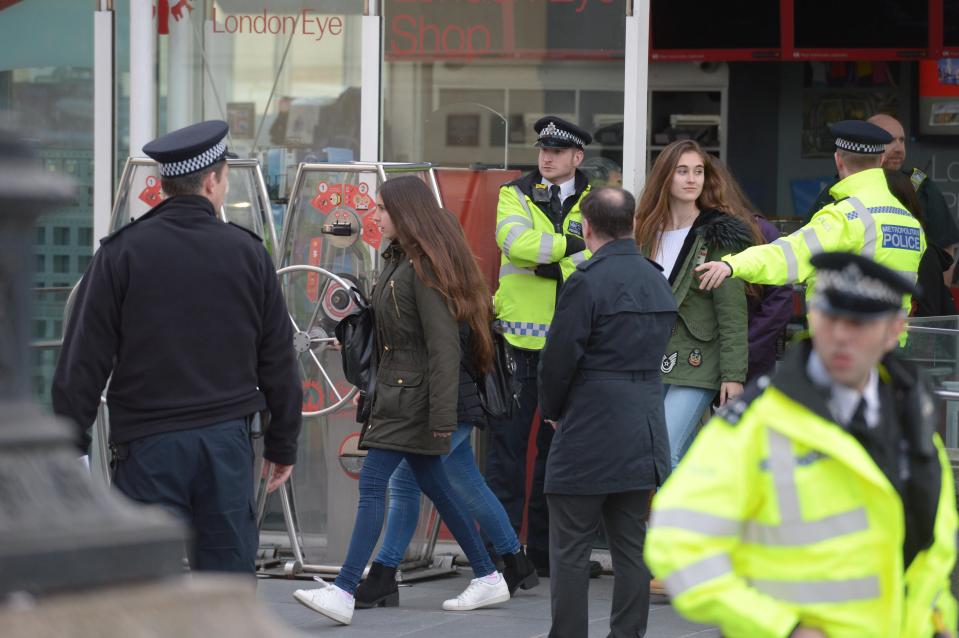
851 282
194 164
551 130
859 147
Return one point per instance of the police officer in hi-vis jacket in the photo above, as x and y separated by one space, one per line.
821 502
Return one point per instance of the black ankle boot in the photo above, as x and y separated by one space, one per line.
378 589
520 572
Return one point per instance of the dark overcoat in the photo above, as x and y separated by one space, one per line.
599 375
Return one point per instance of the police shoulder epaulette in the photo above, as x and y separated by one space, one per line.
734 409
917 178
246 230
127 226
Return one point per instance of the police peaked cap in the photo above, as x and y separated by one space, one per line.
555 132
191 149
860 137
856 286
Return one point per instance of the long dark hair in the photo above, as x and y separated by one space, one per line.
652 211
901 186
434 240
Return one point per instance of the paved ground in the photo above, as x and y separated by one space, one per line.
419 614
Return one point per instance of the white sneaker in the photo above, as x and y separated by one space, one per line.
482 592
331 601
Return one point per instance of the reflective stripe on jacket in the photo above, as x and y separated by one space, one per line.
867 220
777 517
524 301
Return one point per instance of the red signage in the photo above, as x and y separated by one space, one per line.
468 29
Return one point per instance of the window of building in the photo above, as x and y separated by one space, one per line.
85 236
61 263
284 75
39 329
41 263
82 262
61 235
41 235
463 83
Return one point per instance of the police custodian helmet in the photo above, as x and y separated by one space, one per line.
857 287
190 149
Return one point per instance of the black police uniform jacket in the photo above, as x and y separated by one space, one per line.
187 314
599 375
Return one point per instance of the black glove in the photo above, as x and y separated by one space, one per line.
549 271
574 245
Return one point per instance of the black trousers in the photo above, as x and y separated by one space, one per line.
506 461
205 477
573 520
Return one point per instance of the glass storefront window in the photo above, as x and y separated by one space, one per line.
46 95
285 74
464 81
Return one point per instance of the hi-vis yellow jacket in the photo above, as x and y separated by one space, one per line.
866 220
524 301
777 517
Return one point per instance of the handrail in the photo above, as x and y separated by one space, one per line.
929 330
48 344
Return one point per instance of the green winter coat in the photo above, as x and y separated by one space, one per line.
710 339
418 347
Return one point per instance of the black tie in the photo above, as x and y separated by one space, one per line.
858 426
555 205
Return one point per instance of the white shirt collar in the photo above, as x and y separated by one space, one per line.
566 189
844 400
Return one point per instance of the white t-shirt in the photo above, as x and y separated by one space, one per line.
670 243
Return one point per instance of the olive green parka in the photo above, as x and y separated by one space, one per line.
709 345
418 362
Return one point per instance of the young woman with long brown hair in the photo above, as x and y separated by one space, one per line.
429 287
683 219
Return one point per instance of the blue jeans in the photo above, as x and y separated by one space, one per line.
470 489
428 470
684 406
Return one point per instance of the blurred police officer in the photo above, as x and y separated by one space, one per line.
821 502
866 219
600 385
186 313
539 229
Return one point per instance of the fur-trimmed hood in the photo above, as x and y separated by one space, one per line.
721 230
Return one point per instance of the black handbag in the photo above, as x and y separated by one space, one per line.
499 391
356 334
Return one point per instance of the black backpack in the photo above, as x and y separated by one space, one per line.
356 334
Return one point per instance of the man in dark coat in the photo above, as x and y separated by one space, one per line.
185 312
600 387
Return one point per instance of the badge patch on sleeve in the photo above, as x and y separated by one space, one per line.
575 228
669 362
902 237
695 358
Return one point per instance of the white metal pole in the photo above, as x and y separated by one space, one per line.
635 103
370 89
143 84
103 122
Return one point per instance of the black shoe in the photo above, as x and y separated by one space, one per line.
520 573
595 569
540 560
378 589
